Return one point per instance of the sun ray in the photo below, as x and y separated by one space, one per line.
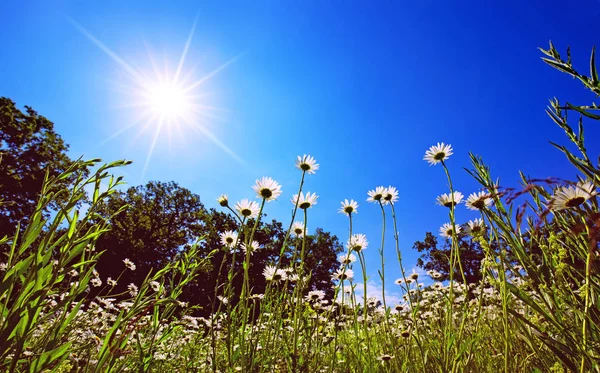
166 100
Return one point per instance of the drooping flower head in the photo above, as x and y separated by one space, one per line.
450 199
376 195
358 242
446 230
298 229
390 195
129 264
478 201
572 196
267 188
305 201
307 164
228 238
438 153
349 207
247 208
223 200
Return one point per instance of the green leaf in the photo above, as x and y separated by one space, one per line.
593 71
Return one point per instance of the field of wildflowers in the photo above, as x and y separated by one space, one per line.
537 308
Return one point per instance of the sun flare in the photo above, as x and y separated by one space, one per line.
168 100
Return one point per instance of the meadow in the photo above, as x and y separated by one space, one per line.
537 308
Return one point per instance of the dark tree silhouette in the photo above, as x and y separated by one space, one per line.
29 148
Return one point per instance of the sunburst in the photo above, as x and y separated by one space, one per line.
166 100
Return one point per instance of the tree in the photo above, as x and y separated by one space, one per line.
29 148
161 219
438 259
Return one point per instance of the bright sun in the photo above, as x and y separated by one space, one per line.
169 100
166 100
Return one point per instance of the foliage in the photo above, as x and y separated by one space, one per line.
29 147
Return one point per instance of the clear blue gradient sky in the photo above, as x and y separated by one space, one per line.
365 87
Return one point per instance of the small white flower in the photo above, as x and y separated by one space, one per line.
446 230
475 227
223 200
271 273
478 201
343 274
376 195
304 201
247 208
349 207
96 282
223 299
315 295
307 163
129 264
347 259
228 238
390 195
298 229
133 290
253 247
358 242
450 199
155 285
399 281
438 153
111 282
267 188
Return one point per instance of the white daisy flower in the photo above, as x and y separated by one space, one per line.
247 208
358 242
223 200
307 163
390 195
315 295
342 274
572 196
96 282
133 290
298 229
223 299
446 230
253 247
376 195
271 273
438 153
414 275
228 238
399 281
478 201
347 259
267 188
155 285
475 227
129 264
450 199
349 207
305 201
111 282
385 358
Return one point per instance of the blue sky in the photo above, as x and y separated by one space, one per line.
365 87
